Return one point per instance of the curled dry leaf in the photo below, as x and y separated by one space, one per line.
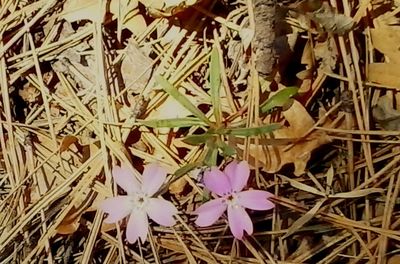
327 53
75 10
386 39
384 73
166 8
29 93
384 113
272 158
331 21
136 68
394 259
323 14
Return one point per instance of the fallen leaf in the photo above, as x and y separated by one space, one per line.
246 35
394 259
136 67
331 21
386 39
166 8
384 113
75 10
385 74
299 223
272 157
357 193
301 186
70 223
136 24
67 141
29 93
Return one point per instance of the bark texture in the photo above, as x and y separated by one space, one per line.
264 16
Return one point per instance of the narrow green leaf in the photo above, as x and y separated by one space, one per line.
226 149
179 173
211 156
197 139
173 122
279 99
215 82
186 169
172 91
249 131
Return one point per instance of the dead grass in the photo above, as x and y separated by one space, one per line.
81 92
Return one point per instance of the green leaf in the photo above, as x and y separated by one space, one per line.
249 131
279 99
179 173
211 157
173 122
197 139
226 149
215 82
172 91
185 169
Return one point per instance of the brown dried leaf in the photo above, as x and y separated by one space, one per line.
70 223
166 8
29 93
67 141
394 259
331 21
136 68
299 223
387 40
272 158
328 54
75 10
385 74
357 193
384 113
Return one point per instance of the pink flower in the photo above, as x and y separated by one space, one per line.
228 185
139 203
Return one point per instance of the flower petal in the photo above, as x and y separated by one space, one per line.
161 211
238 174
117 208
217 182
125 179
210 212
153 177
255 200
137 227
239 220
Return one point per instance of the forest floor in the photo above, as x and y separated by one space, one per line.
303 92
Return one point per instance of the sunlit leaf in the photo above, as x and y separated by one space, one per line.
211 156
249 131
173 122
197 139
172 91
279 99
226 149
215 82
67 141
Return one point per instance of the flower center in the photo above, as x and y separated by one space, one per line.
231 200
139 201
